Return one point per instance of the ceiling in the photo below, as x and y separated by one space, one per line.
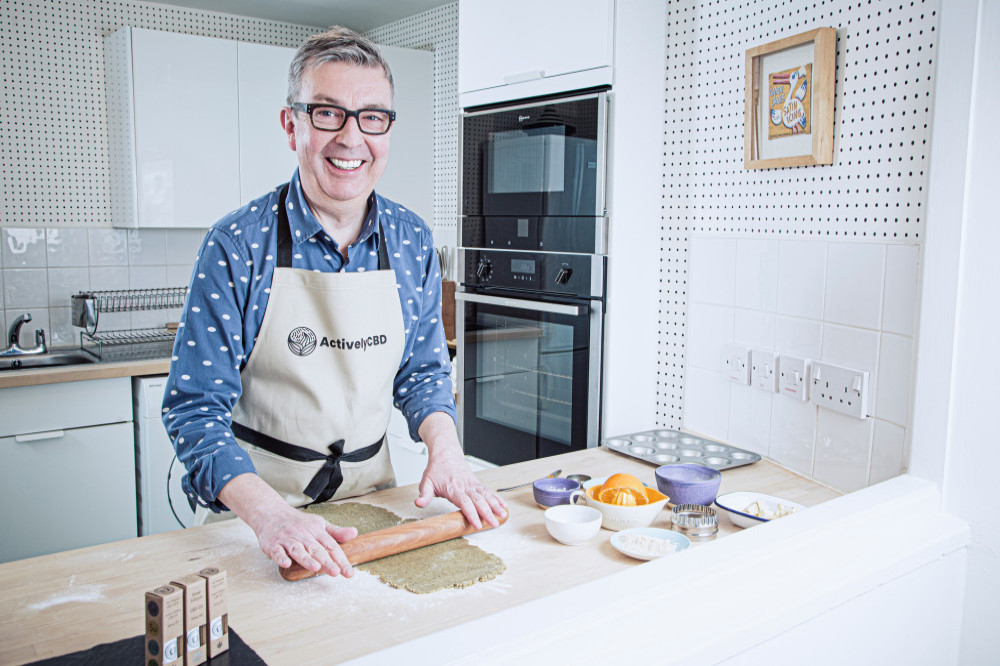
359 15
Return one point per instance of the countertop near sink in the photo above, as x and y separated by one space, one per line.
76 373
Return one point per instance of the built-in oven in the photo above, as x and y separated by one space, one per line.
532 272
530 330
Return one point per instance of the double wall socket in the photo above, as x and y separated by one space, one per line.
840 389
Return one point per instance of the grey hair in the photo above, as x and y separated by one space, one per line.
338 44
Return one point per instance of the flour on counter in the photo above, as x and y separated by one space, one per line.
646 545
84 594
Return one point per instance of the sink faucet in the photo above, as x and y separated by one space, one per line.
14 334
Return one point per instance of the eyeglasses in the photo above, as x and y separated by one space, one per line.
331 118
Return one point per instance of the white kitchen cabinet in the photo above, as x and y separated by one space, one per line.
524 48
265 158
67 467
173 127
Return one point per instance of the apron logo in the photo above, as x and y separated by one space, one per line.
302 341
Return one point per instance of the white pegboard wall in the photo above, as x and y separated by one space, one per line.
436 30
875 190
54 165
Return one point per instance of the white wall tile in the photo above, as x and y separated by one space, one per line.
801 278
757 274
67 247
709 328
25 288
750 419
23 248
147 277
178 275
706 403
892 402
843 444
798 337
147 247
712 270
854 273
899 307
64 282
887 452
108 277
755 329
183 245
108 247
793 433
62 332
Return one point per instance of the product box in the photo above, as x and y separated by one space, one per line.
195 616
218 611
165 626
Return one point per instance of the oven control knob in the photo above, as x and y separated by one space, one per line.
485 269
562 277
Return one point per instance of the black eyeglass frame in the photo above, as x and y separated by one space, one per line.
348 114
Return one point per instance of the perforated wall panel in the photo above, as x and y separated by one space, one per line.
437 30
874 192
54 165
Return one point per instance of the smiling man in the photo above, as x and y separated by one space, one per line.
312 310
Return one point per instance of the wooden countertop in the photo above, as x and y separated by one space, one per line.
61 603
77 373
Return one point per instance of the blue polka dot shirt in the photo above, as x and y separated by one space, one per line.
225 307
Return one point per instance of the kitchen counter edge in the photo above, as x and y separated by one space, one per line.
82 372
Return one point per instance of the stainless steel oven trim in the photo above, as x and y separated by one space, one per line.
517 303
594 380
597 269
604 98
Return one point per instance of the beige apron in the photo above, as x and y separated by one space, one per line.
317 390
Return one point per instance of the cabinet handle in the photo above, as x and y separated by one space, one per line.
524 76
38 436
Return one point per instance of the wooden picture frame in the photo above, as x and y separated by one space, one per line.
788 111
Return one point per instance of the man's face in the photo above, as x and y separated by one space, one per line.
339 169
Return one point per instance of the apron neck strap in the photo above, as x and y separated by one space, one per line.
285 236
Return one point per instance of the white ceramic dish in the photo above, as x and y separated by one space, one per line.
735 505
571 524
620 541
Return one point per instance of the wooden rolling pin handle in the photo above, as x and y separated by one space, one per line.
398 539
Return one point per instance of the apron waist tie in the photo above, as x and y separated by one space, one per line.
327 480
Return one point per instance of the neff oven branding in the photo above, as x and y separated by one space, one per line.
302 342
521 119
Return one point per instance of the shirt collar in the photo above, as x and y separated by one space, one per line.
304 225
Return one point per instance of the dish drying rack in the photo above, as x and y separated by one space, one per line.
127 344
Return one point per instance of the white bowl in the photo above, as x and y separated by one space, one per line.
735 505
572 524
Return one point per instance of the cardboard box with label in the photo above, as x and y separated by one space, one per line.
195 618
165 626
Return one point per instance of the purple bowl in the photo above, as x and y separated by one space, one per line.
688 483
551 491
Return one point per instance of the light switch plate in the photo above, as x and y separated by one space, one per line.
736 363
792 374
764 369
838 388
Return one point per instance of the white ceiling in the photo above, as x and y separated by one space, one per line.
359 15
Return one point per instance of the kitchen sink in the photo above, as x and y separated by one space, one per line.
47 360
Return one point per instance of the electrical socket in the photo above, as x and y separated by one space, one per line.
840 389
792 374
763 369
736 363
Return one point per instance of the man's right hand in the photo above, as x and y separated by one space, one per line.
286 534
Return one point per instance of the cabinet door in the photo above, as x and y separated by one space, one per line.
66 489
523 40
265 158
186 128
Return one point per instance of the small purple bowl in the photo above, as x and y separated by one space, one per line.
687 483
552 491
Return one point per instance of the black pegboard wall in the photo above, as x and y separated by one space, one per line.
54 150
436 30
875 190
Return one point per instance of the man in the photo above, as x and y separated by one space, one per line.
312 309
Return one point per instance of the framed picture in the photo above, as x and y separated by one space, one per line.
788 115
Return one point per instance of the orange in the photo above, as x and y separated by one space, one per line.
622 489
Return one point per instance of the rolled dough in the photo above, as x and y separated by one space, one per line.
454 563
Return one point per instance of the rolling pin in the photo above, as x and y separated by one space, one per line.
398 539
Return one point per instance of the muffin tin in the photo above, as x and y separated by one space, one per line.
665 447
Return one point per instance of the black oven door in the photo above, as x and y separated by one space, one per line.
541 159
530 373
